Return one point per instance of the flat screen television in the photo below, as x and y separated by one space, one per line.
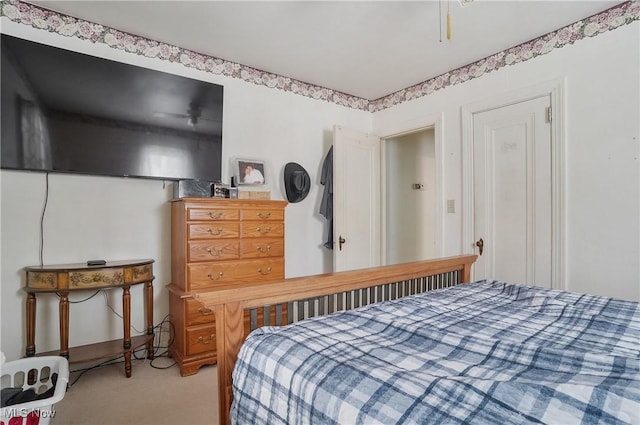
64 111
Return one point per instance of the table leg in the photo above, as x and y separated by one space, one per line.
64 324
148 301
31 325
126 316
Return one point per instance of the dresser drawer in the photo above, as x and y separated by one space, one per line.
197 313
213 250
263 214
200 339
263 247
210 275
212 213
216 244
261 229
211 230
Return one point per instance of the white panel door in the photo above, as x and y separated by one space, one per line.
512 193
356 199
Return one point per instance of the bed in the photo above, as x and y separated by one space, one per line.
412 344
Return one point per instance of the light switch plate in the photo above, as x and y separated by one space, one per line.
451 206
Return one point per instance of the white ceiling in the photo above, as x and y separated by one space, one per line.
367 49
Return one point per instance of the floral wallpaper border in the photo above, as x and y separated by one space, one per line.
37 17
615 17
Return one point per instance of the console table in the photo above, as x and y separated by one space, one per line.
65 278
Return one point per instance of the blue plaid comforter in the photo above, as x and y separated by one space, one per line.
482 353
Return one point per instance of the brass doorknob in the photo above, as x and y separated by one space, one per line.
341 241
480 245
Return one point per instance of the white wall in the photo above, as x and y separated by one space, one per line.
602 153
91 217
113 218
410 213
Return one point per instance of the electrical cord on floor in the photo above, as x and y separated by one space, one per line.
97 366
139 353
158 331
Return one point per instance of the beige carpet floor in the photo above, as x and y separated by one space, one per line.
105 396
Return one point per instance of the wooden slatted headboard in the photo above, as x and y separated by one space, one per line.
241 307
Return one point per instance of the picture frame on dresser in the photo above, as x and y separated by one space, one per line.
250 171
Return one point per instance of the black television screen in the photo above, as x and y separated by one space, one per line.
64 111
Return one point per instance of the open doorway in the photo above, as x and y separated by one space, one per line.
368 205
409 202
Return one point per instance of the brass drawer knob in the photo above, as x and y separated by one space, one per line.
264 250
202 340
215 215
264 273
264 214
215 232
214 252
205 311
263 229
217 277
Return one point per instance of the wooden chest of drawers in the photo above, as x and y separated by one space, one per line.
217 242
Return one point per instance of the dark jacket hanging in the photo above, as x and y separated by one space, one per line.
326 205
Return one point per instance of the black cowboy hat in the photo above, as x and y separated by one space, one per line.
296 182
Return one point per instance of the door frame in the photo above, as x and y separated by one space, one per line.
555 89
424 122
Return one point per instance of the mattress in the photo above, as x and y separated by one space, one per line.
482 353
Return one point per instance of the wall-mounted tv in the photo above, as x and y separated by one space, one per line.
64 111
